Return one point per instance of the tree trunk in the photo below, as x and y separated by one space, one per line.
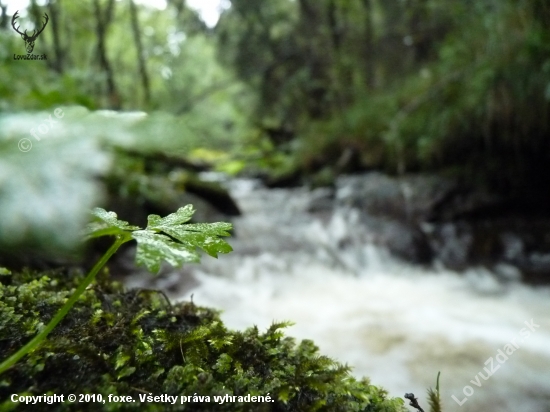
316 57
58 63
369 45
141 58
333 24
418 29
4 19
101 28
179 5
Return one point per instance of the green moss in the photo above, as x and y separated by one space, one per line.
135 342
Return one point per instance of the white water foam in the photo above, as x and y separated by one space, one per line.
396 323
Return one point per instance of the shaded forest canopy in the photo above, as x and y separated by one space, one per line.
312 88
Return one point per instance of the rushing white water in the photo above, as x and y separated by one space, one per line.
395 323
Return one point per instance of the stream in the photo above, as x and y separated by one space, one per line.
394 322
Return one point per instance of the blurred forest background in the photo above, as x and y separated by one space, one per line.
292 91
295 88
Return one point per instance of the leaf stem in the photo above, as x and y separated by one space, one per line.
12 360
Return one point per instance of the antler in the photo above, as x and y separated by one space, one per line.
35 33
15 16
40 31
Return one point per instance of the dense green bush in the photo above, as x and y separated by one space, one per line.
135 342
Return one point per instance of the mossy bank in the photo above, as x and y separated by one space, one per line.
132 343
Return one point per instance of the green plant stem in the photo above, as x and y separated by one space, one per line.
12 360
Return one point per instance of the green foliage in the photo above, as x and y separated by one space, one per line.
107 224
203 235
434 397
404 86
156 243
132 342
185 78
291 87
152 249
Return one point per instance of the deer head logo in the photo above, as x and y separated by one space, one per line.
29 40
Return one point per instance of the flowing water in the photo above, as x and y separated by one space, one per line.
396 323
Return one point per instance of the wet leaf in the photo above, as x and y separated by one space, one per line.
153 248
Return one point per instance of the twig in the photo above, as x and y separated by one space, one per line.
413 401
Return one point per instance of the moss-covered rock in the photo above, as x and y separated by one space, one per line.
136 343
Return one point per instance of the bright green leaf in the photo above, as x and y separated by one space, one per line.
202 235
206 240
108 224
183 215
153 248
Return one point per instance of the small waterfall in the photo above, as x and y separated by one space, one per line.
399 324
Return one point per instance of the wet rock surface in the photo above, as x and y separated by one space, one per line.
428 219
